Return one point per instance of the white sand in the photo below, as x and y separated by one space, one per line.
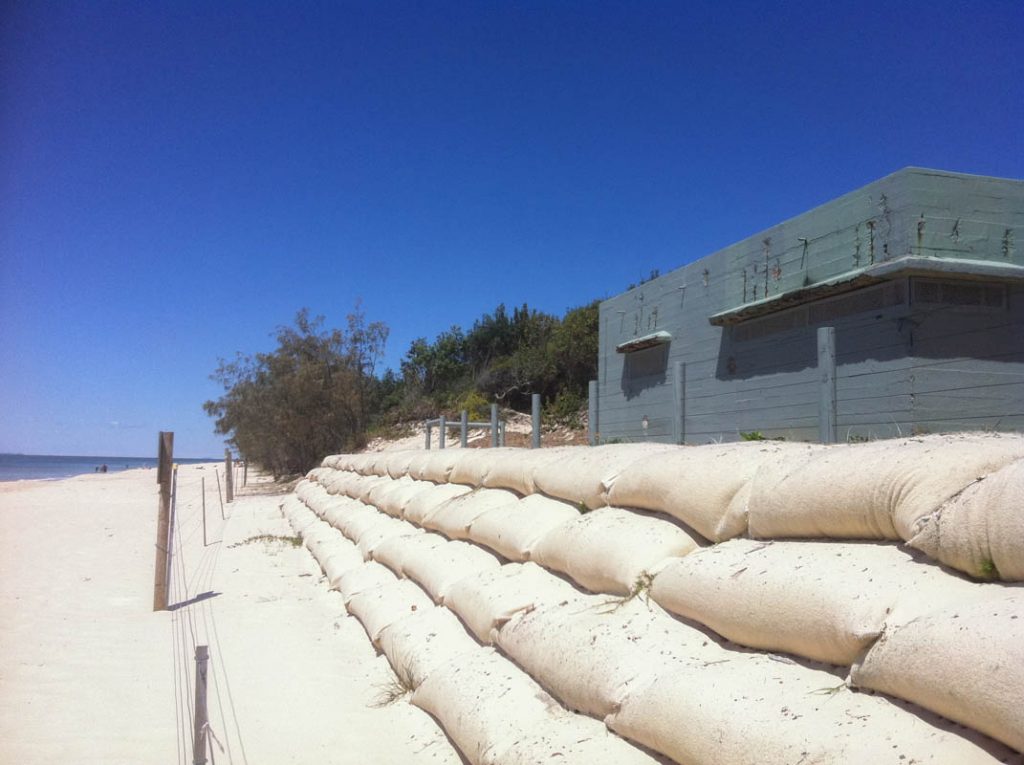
88 673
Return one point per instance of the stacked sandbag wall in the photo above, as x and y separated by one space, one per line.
759 602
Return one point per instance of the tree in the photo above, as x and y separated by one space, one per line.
287 409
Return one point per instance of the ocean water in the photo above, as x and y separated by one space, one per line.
16 467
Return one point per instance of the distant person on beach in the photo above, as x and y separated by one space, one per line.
103 468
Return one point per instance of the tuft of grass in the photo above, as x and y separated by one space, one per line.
752 435
582 507
394 690
641 589
829 691
988 569
267 539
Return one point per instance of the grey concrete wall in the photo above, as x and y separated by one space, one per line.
902 366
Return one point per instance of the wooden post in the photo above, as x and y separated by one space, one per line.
204 509
679 394
464 429
593 427
827 380
229 482
165 459
199 740
494 424
442 431
535 420
245 473
219 497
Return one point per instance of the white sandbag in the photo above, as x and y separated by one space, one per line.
424 503
377 495
338 511
383 530
356 519
321 502
339 561
584 474
394 551
378 607
298 515
331 461
514 469
751 709
591 652
437 568
700 485
877 490
305 489
363 490
981 530
317 473
435 465
487 601
571 739
402 491
453 518
512 530
364 577
485 704
397 462
419 643
339 482
470 466
376 464
826 601
965 662
611 549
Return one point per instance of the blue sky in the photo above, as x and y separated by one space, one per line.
177 179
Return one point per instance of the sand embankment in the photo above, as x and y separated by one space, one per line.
90 674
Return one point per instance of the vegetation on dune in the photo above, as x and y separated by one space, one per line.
319 392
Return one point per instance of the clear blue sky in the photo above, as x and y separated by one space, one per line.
177 179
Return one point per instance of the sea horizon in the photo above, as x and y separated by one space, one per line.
20 467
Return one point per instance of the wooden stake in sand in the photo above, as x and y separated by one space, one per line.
199 739
204 509
165 455
219 497
229 482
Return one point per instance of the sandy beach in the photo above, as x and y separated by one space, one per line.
89 673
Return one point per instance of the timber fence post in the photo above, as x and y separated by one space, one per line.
165 457
592 423
219 497
442 431
535 420
827 380
679 397
203 489
464 429
200 716
229 480
494 424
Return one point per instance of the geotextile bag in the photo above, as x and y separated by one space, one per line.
298 515
877 490
396 498
398 462
394 551
426 502
355 518
514 468
512 530
364 577
981 530
487 601
965 662
826 601
571 739
472 465
485 704
339 561
382 530
378 607
437 568
756 710
584 474
611 549
453 518
593 651
700 485
419 643
436 466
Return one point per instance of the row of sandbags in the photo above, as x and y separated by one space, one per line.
827 632
492 710
954 497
